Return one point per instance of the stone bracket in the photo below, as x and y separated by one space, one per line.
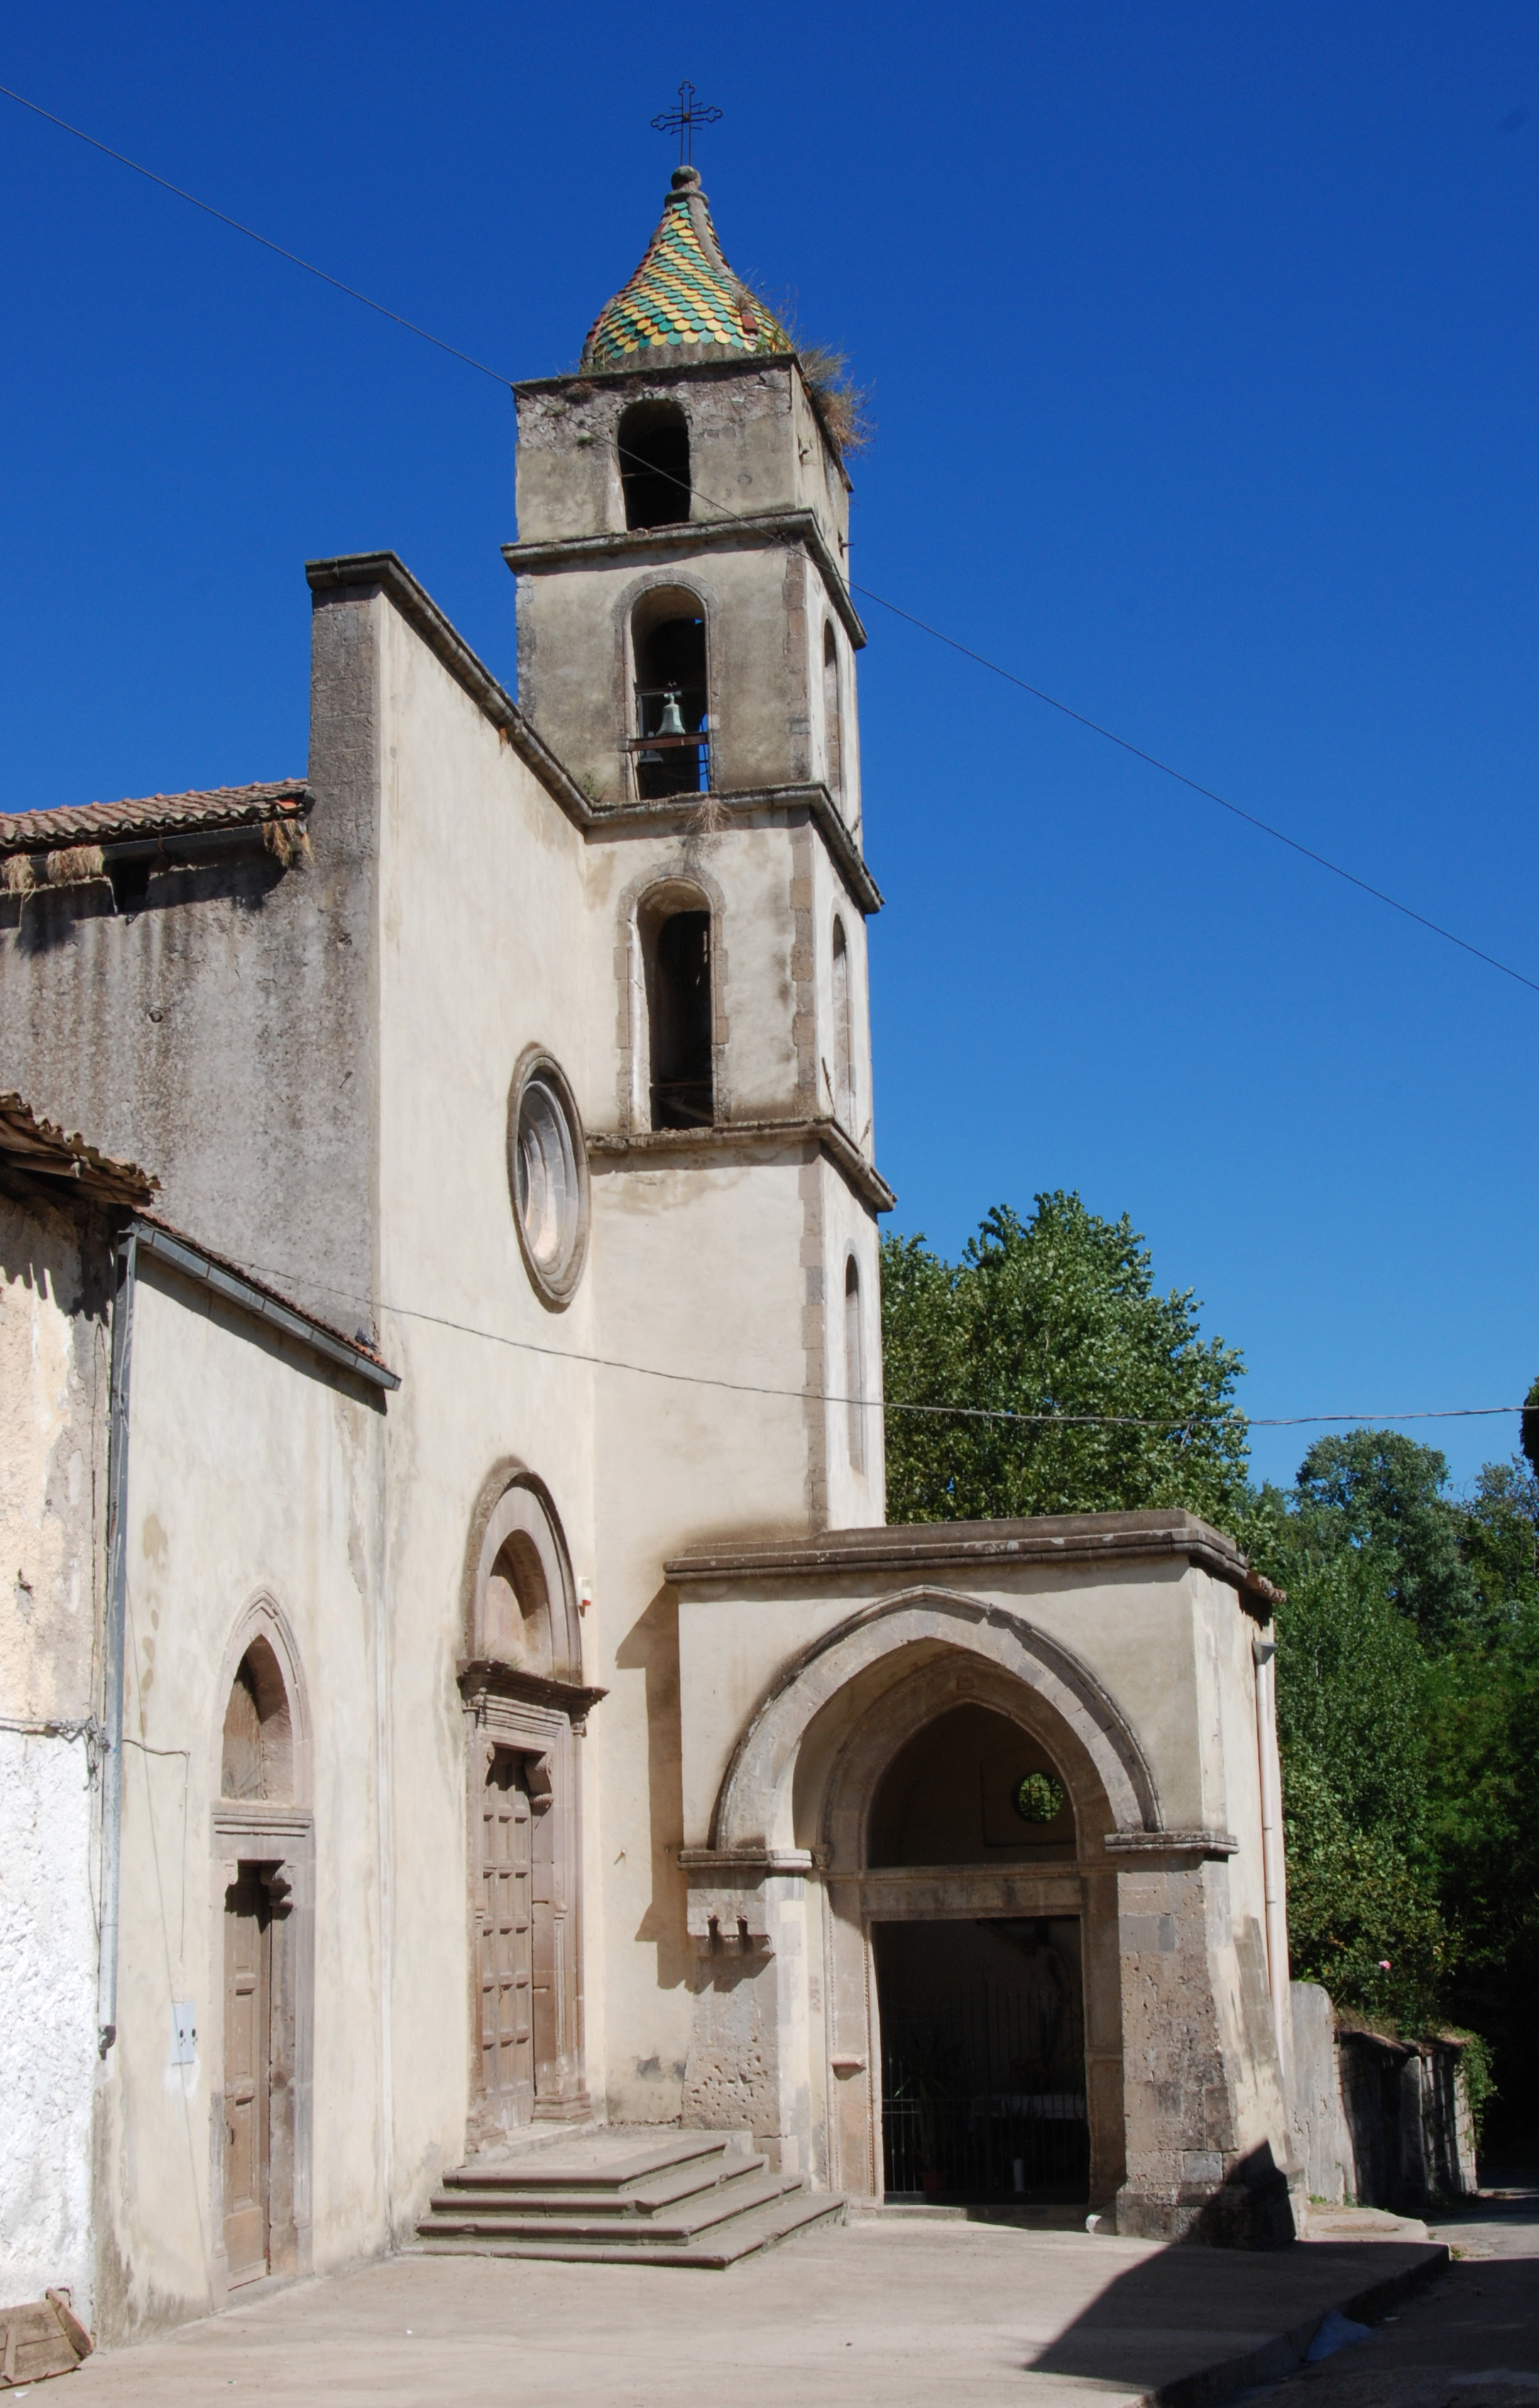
729 1903
1171 1843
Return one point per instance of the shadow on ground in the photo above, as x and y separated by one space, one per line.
1195 2324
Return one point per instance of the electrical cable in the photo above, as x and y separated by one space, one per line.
1153 761
1039 694
250 231
866 1404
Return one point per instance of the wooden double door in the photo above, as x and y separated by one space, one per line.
248 2074
506 1938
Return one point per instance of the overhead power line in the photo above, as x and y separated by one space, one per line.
251 233
1039 694
870 1404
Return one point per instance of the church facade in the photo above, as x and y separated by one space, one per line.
512 1709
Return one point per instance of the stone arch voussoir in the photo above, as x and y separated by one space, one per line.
749 1806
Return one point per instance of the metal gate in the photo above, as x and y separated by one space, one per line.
985 2100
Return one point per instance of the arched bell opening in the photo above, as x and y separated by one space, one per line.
670 744
674 930
652 440
527 1704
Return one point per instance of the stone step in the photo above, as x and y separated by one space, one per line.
704 2179
734 2237
675 2227
603 2163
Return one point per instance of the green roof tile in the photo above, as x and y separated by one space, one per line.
684 292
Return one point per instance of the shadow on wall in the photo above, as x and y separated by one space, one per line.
651 1646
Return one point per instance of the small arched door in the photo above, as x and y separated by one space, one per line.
259 1837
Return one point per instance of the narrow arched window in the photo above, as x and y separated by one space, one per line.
672 697
833 717
516 1607
654 442
257 1758
855 1365
843 1044
676 953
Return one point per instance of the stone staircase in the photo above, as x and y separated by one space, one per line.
623 2198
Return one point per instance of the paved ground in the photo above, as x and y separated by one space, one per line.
882 2313
1469 2341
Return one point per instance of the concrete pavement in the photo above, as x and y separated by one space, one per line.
885 2313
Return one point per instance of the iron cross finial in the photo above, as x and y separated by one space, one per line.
683 122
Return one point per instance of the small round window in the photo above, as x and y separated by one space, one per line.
1039 1799
548 1173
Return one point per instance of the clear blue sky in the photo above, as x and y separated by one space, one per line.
1203 350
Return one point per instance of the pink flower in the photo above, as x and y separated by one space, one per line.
1384 1964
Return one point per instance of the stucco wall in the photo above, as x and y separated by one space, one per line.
253 1475
754 445
53 1385
222 1033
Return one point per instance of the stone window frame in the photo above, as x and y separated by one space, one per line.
695 888
844 1082
555 1290
675 578
280 1835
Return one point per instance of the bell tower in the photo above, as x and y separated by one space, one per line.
683 524
686 645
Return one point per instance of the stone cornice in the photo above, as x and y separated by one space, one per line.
263 1304
796 524
486 1676
384 572
1171 1843
683 818
647 1149
977 1547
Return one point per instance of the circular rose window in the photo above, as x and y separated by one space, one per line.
549 1176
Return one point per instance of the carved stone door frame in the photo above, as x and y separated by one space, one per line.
280 1839
542 1722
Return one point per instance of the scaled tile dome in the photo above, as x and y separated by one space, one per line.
684 301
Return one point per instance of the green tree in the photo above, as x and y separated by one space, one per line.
1408 1662
1054 1316
1380 1493
1363 1910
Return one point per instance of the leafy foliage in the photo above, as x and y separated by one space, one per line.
1057 1316
1408 1661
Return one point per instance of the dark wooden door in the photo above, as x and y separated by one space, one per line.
506 1938
248 2072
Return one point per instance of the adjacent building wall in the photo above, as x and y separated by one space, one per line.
54 1268
223 1030
255 1488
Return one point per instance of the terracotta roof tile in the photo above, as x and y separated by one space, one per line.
152 815
28 1144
